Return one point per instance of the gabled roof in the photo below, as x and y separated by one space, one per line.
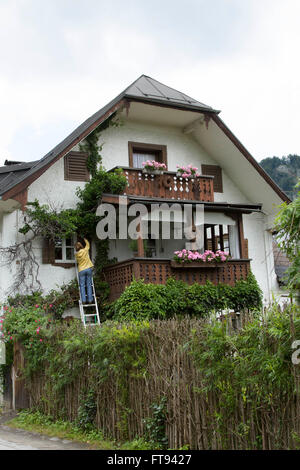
11 172
146 90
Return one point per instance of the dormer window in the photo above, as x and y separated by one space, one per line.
140 152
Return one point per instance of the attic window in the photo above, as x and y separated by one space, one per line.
139 152
216 171
75 167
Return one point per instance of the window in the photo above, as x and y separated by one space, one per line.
139 152
64 250
216 171
222 237
75 167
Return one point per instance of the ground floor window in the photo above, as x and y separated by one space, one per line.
64 250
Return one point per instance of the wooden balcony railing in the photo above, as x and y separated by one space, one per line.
168 186
157 271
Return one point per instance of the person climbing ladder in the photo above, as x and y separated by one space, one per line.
85 273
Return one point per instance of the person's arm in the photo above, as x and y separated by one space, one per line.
87 245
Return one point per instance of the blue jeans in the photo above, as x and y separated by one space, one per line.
85 284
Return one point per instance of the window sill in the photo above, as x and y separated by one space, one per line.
64 265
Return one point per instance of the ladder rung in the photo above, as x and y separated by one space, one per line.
88 305
90 314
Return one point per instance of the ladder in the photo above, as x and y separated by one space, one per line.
90 319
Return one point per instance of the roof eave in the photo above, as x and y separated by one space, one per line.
171 104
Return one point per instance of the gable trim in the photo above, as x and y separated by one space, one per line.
249 157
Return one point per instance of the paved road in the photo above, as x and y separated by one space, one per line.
18 439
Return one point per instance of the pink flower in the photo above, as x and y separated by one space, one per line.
41 340
36 305
50 305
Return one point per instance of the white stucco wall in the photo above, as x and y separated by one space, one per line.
51 188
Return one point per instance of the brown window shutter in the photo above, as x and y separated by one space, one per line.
48 256
75 167
216 171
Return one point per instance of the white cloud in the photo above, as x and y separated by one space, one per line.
57 68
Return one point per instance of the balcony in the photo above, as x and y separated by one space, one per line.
157 271
168 186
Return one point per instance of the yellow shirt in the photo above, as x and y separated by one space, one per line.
83 258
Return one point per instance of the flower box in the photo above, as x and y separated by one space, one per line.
195 264
152 172
194 257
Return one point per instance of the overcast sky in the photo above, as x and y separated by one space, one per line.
62 60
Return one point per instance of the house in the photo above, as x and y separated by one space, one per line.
165 125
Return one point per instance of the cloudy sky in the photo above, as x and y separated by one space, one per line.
62 60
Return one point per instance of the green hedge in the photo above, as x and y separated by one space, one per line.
176 298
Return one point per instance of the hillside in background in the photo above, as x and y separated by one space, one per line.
285 171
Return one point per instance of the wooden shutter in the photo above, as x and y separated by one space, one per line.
216 171
75 167
48 255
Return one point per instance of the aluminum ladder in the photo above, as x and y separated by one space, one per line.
84 316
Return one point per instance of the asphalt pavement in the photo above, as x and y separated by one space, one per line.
18 439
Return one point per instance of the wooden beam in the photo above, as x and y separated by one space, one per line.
140 242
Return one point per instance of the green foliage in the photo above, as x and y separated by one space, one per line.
87 410
34 420
254 365
176 298
155 426
31 325
113 182
287 225
138 444
284 171
55 302
91 144
48 222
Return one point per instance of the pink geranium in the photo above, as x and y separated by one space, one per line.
152 165
187 172
208 256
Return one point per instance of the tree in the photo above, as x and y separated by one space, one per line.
287 226
285 171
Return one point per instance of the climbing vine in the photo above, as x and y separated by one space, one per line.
52 223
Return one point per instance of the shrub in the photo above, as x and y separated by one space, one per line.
176 298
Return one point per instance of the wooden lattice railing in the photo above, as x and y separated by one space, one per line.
168 186
157 271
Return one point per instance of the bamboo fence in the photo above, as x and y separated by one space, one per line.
192 417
